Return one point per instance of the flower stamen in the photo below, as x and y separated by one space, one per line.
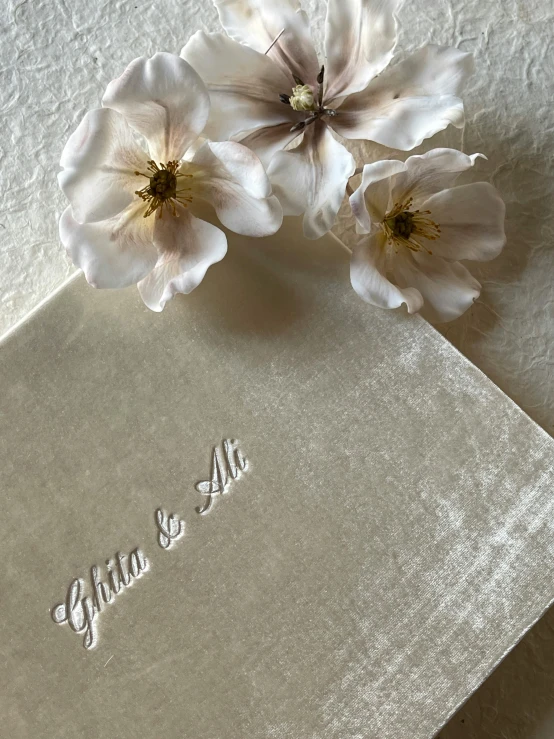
320 80
162 188
303 100
404 227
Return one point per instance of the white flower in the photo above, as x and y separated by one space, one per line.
260 73
419 227
131 218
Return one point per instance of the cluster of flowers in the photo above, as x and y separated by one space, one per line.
249 121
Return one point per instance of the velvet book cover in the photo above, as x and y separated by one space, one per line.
269 512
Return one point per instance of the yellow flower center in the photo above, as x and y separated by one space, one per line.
302 98
404 227
162 188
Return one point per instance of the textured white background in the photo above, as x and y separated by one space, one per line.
56 57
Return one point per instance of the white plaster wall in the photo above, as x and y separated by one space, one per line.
56 56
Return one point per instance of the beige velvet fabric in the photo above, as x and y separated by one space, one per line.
390 539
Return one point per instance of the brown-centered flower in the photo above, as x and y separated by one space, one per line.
134 179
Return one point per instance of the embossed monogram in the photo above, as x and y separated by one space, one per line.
170 528
80 612
227 465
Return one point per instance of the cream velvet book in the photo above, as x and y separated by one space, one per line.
271 511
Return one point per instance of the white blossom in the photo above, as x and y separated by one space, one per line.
134 172
418 227
269 91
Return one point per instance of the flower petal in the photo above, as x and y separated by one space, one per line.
370 201
410 101
369 280
117 252
277 25
447 287
266 142
471 219
232 179
99 161
429 173
165 100
360 37
312 179
231 161
244 85
187 246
